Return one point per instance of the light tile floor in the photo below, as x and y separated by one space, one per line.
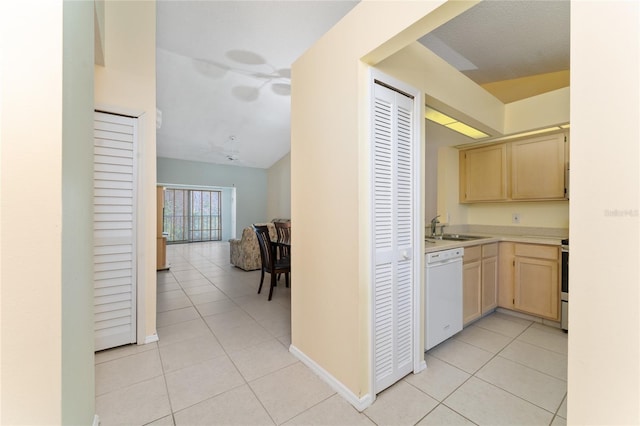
222 359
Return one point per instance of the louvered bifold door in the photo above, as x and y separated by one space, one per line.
392 236
114 251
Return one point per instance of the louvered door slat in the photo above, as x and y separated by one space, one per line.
114 230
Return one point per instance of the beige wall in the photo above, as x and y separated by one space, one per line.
46 337
330 183
279 189
446 88
127 83
604 337
31 157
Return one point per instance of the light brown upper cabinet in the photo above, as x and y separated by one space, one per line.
483 174
538 168
522 170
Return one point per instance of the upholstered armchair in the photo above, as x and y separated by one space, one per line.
245 252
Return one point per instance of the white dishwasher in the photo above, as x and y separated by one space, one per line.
443 304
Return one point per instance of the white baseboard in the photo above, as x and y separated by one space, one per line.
359 403
96 420
152 338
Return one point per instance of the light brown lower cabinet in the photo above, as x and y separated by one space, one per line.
480 281
471 284
530 278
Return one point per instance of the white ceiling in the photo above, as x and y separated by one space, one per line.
223 67
502 40
223 75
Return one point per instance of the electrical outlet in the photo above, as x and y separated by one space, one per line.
515 218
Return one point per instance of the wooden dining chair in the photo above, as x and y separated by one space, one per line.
271 262
283 231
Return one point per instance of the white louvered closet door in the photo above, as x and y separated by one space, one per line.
393 192
114 199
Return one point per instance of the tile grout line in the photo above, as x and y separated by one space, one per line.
227 354
474 375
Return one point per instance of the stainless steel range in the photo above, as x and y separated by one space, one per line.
564 291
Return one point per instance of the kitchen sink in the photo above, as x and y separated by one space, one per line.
459 237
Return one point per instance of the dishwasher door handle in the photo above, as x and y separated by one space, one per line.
444 262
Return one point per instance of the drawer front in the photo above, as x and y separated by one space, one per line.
490 250
537 251
472 253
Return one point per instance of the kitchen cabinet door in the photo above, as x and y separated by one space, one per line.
489 283
471 291
538 168
505 274
537 287
483 174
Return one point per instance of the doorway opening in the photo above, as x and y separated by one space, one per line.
191 215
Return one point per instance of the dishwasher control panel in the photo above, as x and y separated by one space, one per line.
444 255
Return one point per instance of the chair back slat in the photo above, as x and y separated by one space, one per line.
283 229
264 241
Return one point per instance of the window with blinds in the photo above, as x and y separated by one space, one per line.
192 215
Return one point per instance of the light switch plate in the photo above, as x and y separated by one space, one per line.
515 218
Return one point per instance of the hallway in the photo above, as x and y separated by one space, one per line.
223 359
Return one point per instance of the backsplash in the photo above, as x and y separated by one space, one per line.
524 231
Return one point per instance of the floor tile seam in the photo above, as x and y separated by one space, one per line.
228 353
195 279
127 355
166 386
542 347
265 318
195 305
551 331
517 396
182 340
267 330
478 347
557 413
445 405
434 397
173 413
497 332
312 406
128 385
255 395
255 346
156 348
453 391
175 309
532 368
232 328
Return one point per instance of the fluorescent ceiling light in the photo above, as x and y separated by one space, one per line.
467 130
453 124
438 117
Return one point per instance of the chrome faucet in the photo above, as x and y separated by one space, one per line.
434 222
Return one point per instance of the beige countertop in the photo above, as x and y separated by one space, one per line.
432 245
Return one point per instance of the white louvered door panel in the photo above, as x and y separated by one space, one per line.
114 199
392 236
